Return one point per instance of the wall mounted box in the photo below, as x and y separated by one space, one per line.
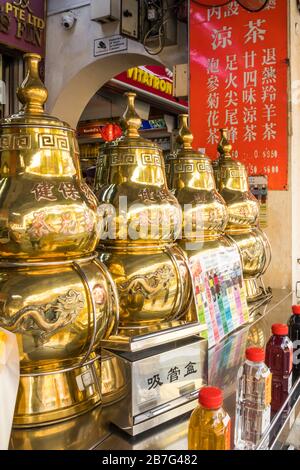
105 11
130 14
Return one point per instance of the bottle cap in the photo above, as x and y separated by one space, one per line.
280 329
255 354
296 309
211 397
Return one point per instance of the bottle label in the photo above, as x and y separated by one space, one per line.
265 419
268 390
290 383
291 359
226 420
227 424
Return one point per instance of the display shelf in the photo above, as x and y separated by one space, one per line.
93 431
283 433
155 133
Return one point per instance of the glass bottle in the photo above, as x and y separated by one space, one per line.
279 359
253 398
294 335
209 427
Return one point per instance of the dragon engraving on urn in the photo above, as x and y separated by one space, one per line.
150 285
45 320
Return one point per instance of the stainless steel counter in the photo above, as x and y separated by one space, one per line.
93 431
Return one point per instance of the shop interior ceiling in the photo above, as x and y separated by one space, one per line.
112 89
113 105
109 104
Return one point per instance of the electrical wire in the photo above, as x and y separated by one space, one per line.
161 39
163 18
157 30
159 25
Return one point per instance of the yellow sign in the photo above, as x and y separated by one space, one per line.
150 79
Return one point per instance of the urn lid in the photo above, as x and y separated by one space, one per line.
33 95
191 176
188 168
131 171
131 159
232 173
232 183
202 163
132 123
47 210
45 145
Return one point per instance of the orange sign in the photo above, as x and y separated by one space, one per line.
239 80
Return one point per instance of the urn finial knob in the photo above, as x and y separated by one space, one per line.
224 147
32 93
131 119
185 137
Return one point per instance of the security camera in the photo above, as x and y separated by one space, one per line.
68 20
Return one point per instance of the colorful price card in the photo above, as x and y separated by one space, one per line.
219 290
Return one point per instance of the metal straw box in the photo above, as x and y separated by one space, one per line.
162 383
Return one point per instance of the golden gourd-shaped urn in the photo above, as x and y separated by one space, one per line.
243 211
190 175
142 219
54 293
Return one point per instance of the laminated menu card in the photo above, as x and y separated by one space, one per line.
219 291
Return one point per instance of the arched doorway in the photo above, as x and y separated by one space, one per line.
101 118
76 93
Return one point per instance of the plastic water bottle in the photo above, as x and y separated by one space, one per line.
253 398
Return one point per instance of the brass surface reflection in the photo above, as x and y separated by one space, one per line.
54 293
191 176
149 269
243 211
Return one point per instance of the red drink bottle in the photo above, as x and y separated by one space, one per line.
294 335
279 359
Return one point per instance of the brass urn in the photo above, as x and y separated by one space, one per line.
190 175
54 293
243 211
142 219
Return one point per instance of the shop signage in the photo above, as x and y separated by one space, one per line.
239 80
109 45
91 130
153 124
22 25
155 79
99 129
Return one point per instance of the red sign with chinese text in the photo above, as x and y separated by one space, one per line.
241 57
